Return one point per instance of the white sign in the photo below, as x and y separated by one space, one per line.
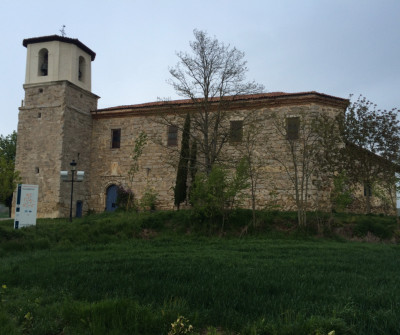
26 205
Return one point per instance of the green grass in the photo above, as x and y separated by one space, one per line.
127 274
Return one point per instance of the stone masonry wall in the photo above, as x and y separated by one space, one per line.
54 126
158 163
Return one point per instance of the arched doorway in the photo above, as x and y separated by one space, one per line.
111 198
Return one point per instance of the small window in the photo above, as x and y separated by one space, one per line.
43 62
292 130
39 115
82 69
37 170
236 131
172 136
367 190
115 138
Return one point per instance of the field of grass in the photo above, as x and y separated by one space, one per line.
129 274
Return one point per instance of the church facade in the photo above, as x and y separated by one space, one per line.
59 123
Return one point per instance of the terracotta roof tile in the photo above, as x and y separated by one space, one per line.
181 102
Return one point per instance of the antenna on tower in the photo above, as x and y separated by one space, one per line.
62 31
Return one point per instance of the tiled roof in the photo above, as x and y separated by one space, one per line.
238 98
51 38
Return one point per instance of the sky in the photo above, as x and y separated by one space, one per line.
336 47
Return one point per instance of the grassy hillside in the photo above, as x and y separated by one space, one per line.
129 274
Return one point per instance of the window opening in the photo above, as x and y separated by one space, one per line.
236 131
43 62
115 138
293 125
367 190
81 68
172 136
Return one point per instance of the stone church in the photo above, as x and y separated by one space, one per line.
59 122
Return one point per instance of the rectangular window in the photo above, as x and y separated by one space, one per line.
367 190
172 136
115 138
236 131
292 130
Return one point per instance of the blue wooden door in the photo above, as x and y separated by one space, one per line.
79 208
111 201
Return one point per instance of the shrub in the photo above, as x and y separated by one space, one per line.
125 198
149 199
376 227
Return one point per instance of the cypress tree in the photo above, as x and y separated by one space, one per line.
192 165
181 177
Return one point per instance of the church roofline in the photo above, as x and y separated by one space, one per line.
51 38
274 98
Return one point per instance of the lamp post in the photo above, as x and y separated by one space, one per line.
73 168
64 177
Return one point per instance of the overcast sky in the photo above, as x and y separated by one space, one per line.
337 47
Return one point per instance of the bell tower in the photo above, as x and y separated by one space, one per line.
54 122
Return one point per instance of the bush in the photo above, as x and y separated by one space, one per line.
377 227
149 199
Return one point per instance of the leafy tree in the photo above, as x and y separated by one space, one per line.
210 76
372 150
216 194
8 177
192 166
137 152
182 174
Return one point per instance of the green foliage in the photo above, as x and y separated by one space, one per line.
215 194
8 177
341 195
140 142
377 227
181 326
8 146
253 285
372 138
182 174
192 165
137 152
250 285
149 199
125 198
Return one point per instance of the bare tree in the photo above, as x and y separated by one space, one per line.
253 149
298 157
211 76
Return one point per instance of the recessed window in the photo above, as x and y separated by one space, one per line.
39 115
82 69
36 170
43 62
292 128
115 138
367 190
172 136
236 131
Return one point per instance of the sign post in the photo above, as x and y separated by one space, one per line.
26 206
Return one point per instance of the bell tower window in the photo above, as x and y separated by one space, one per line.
43 62
81 69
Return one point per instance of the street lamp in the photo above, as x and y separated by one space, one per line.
64 177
